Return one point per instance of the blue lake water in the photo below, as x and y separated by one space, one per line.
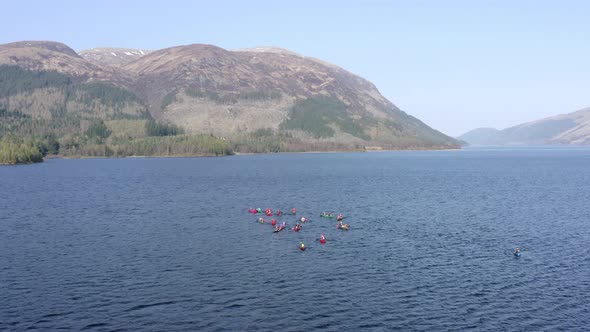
167 244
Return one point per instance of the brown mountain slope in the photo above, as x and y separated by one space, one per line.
207 88
53 56
209 68
48 45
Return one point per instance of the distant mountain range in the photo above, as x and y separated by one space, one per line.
243 96
572 128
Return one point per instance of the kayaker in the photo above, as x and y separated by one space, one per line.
340 217
294 211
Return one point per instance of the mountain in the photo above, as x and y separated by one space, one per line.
572 128
261 99
49 80
112 56
207 88
43 56
480 136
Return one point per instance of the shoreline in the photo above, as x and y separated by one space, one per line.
17 164
245 154
48 157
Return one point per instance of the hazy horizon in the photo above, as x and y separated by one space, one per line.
457 65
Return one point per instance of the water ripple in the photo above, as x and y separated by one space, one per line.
166 244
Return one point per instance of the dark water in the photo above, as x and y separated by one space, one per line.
167 244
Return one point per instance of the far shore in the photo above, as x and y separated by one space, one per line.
244 153
233 154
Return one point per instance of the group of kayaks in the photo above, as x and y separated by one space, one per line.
339 218
268 212
298 226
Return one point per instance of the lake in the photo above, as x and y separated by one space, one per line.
167 244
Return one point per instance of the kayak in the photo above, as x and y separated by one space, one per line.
280 228
344 227
517 254
327 215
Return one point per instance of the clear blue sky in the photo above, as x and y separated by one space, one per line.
456 65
